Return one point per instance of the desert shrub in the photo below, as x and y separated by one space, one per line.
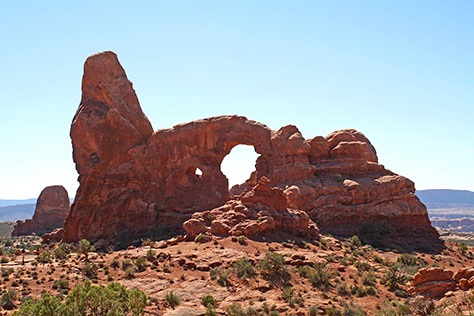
8 299
273 267
369 279
140 264
319 275
4 259
61 284
395 309
114 264
126 263
60 254
370 290
363 266
352 310
172 299
84 247
90 271
332 311
342 289
313 311
242 240
44 257
150 255
210 311
410 263
222 277
394 277
208 300
243 268
288 295
202 238
90 300
358 291
462 248
234 310
130 272
353 242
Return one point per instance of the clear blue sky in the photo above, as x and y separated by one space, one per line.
402 72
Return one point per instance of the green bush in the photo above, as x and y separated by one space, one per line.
243 268
369 279
130 272
235 310
126 263
462 248
273 267
313 311
84 247
44 257
86 299
150 255
8 299
172 300
115 264
140 264
209 300
210 311
342 289
223 276
90 270
395 277
60 254
319 275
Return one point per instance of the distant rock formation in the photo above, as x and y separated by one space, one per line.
133 180
51 209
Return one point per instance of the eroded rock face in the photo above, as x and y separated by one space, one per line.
436 282
432 283
51 209
259 211
133 180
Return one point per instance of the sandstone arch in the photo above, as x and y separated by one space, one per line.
133 179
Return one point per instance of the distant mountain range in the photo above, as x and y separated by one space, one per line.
442 198
16 202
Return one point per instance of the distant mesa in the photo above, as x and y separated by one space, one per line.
51 209
135 181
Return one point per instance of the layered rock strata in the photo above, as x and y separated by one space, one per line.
51 209
435 282
133 179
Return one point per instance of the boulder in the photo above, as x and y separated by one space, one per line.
51 209
433 282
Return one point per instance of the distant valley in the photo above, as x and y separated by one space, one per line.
450 209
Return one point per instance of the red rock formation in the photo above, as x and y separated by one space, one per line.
133 179
432 282
435 282
51 209
259 211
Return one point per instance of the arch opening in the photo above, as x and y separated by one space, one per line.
239 164
198 172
